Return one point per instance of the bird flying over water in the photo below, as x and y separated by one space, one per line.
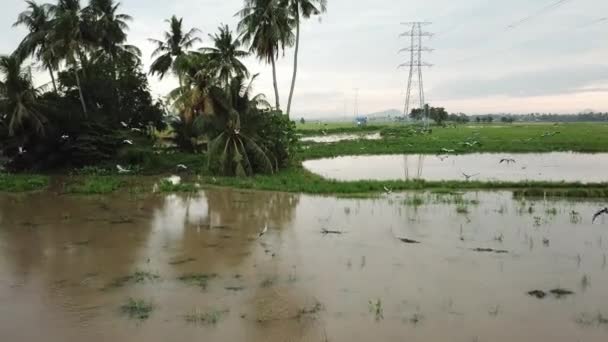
447 150
387 190
135 129
124 124
442 158
507 160
468 177
182 167
128 142
65 137
263 231
122 169
599 213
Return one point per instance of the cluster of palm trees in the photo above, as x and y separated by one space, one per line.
73 42
266 29
67 33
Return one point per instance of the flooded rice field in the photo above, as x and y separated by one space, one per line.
227 265
341 137
555 166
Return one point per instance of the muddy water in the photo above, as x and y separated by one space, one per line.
59 256
341 137
555 166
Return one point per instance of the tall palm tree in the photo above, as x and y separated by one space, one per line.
172 51
69 38
266 26
18 98
109 28
191 99
301 9
223 58
37 20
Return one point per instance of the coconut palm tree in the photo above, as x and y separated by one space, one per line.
301 9
233 151
171 52
109 29
37 20
69 38
18 98
266 26
223 58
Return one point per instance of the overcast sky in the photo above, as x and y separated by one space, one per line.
554 60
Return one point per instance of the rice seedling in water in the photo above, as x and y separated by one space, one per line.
138 309
592 319
201 279
552 211
585 282
575 217
494 311
414 201
499 238
268 282
376 309
199 317
462 209
139 277
310 311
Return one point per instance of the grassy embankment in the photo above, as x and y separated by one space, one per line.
396 139
523 138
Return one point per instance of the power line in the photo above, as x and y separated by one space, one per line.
538 13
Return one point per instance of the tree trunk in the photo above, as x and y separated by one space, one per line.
84 105
52 78
295 63
274 81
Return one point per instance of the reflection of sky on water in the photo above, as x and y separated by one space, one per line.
555 166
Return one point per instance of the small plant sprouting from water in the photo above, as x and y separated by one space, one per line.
592 319
414 201
293 276
375 308
199 279
139 309
585 282
138 277
200 317
499 238
462 209
575 217
494 311
537 221
268 282
551 211
310 311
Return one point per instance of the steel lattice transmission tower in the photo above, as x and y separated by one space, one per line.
415 63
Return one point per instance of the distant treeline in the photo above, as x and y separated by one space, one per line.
538 117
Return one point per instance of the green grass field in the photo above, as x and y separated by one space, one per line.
582 137
578 137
